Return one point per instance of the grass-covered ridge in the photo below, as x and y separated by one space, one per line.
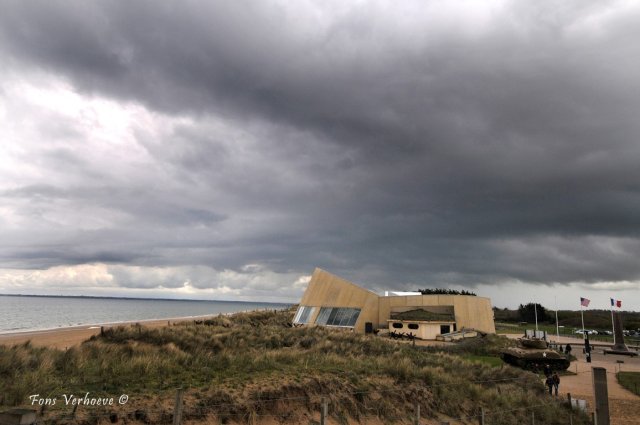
630 380
241 367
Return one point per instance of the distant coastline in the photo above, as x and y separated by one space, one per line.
140 298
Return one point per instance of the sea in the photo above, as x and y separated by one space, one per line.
30 313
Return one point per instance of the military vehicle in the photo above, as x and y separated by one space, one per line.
534 354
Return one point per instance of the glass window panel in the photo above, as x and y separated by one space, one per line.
335 316
309 313
348 312
342 317
303 314
354 317
323 315
332 316
298 314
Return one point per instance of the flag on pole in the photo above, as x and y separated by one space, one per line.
616 303
584 302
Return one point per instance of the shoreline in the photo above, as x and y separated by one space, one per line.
110 324
69 336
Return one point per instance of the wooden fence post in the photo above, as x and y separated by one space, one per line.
323 411
177 408
481 417
416 421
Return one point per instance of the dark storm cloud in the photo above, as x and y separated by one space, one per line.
425 144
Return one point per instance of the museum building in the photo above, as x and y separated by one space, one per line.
335 302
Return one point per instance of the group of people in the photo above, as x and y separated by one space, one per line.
567 349
552 381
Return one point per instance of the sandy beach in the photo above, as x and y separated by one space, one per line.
63 338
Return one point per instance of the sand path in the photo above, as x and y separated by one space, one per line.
624 406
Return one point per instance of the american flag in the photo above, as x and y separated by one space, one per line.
584 302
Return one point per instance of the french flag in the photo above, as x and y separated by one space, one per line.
584 302
616 303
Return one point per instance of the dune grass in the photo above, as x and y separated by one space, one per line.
252 364
630 380
490 360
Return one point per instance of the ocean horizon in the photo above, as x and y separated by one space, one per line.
24 313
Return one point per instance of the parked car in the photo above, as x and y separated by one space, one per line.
586 331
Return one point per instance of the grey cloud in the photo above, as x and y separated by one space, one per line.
386 146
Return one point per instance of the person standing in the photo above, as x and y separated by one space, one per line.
556 382
550 384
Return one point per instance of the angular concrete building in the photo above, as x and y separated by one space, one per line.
332 301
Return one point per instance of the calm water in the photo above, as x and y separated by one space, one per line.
18 314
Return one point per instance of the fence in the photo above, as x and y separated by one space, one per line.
323 410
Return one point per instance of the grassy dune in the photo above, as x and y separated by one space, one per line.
248 366
630 380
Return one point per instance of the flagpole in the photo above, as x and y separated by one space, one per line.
557 327
613 329
535 311
584 336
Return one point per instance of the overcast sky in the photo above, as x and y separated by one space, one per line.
223 150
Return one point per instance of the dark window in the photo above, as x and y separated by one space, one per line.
332 316
445 329
413 326
397 325
335 316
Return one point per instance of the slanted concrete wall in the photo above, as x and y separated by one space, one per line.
328 290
